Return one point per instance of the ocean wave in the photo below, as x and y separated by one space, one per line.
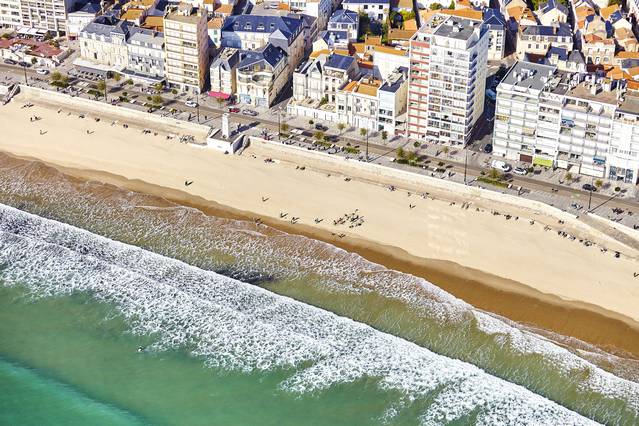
237 326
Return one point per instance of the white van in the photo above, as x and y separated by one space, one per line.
500 165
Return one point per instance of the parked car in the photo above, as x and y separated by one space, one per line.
234 110
190 104
24 64
589 187
488 148
42 71
500 165
249 112
520 171
321 127
10 62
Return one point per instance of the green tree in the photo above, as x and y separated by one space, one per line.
157 100
598 183
284 127
310 123
34 61
445 150
569 177
56 76
495 174
101 85
435 6
363 132
452 5
159 86
341 127
400 153
384 135
117 77
319 136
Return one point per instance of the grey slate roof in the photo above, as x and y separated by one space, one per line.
332 37
269 54
576 57
146 37
227 59
106 25
263 24
494 18
553 4
341 62
89 7
343 16
533 75
560 52
561 30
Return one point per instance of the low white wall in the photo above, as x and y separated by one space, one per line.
96 107
388 175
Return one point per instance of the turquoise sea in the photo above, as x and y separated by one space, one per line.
121 308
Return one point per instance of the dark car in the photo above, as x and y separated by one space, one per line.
10 62
234 110
321 127
488 148
24 64
589 187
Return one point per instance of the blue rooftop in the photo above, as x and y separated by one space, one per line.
289 27
269 54
341 62
342 16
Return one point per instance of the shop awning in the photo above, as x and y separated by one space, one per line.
219 95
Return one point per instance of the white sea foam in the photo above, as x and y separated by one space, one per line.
237 326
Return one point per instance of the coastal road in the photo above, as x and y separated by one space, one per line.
376 151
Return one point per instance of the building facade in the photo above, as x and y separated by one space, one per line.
223 73
145 50
447 78
103 43
261 75
557 119
186 47
377 10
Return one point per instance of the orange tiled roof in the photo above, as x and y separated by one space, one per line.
411 24
464 13
216 23
627 55
397 34
463 4
225 9
583 11
368 88
607 11
154 23
373 40
632 85
132 15
390 50
633 72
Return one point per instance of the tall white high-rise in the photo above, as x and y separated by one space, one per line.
48 15
447 79
186 46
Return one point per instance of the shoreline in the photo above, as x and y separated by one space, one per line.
507 267
496 295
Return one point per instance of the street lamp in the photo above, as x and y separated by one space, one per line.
24 68
367 132
279 125
465 164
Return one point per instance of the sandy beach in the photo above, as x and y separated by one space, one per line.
513 263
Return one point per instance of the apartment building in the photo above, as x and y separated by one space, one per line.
322 77
319 9
557 119
357 103
103 44
537 39
186 47
250 32
391 114
145 49
552 12
80 17
345 20
50 15
448 57
261 75
377 10
223 73
10 13
496 24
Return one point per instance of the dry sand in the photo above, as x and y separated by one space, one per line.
546 264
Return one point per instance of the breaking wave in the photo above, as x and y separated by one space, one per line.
234 325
